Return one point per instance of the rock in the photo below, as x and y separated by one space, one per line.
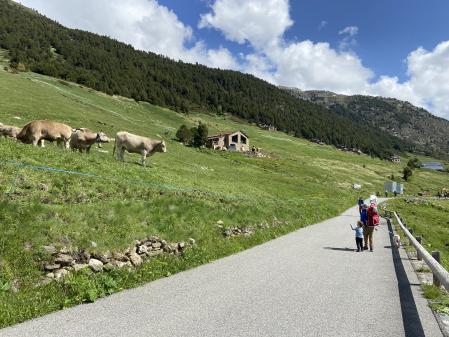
192 241
60 274
103 257
64 259
64 250
51 267
83 256
220 222
95 265
50 275
142 249
163 243
137 243
120 257
93 244
50 249
80 266
44 281
43 187
181 245
156 245
135 259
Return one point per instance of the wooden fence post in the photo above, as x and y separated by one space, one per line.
436 256
418 254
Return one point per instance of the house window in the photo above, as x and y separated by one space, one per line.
235 138
243 139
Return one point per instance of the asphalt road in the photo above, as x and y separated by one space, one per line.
308 283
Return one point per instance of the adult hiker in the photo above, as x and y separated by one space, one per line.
373 222
360 203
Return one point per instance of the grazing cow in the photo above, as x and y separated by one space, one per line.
83 139
137 144
9 131
36 132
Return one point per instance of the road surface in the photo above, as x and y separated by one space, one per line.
308 283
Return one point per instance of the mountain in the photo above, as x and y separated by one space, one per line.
41 45
427 133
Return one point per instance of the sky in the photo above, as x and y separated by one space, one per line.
385 48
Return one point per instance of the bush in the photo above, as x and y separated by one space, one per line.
407 173
200 135
184 134
414 163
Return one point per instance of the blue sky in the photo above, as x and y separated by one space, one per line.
397 48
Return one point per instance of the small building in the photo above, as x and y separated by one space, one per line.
392 186
231 141
395 159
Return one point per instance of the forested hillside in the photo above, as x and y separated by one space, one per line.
427 133
41 45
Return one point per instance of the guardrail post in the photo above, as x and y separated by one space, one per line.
436 256
410 230
418 254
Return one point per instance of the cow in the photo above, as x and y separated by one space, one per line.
83 139
9 131
36 132
137 144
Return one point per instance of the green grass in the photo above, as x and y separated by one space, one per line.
438 298
182 194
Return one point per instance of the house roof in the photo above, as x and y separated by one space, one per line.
227 134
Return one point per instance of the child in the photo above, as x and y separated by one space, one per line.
358 235
364 214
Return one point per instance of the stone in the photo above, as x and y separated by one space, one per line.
64 259
93 244
50 249
103 257
80 266
220 222
135 259
50 275
181 245
156 245
120 257
95 265
142 249
52 266
60 274
192 241
155 252
137 243
64 250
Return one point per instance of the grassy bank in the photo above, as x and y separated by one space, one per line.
181 195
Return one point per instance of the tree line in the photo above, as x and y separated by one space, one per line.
41 45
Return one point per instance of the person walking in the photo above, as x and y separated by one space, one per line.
358 236
360 203
372 223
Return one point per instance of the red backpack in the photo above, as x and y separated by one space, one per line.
373 217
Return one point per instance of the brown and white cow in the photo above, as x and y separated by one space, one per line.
137 144
9 131
83 139
36 132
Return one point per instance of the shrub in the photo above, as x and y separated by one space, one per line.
184 134
407 173
200 136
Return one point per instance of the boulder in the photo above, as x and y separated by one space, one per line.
50 249
95 265
60 274
64 259
51 267
135 259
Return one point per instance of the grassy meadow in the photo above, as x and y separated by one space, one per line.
181 194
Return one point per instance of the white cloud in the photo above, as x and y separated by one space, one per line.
145 24
259 22
348 40
350 30
322 25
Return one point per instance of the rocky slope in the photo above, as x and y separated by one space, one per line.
428 133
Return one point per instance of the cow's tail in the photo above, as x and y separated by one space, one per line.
113 150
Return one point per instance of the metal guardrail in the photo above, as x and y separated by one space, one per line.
439 273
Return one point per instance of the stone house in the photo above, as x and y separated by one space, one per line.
231 141
395 159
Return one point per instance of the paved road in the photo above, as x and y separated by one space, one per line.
308 283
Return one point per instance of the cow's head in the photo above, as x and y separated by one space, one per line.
102 138
162 147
